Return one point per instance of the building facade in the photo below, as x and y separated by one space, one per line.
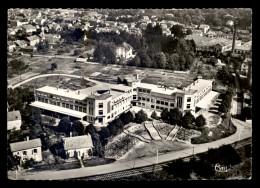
28 149
98 104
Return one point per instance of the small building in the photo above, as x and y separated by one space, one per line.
204 28
33 40
14 120
28 28
21 43
28 149
124 50
10 46
78 146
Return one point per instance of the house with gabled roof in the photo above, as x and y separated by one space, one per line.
28 149
125 50
78 146
33 40
14 120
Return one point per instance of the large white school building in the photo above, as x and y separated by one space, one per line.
103 102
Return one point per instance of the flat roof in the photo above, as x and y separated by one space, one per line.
58 109
207 100
157 89
84 92
199 85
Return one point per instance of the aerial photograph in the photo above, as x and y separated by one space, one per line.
129 94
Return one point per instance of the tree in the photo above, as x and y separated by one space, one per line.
160 60
64 125
177 30
188 119
90 129
53 66
135 61
222 108
165 115
78 127
104 134
188 32
175 116
154 115
126 117
140 116
200 121
179 169
36 115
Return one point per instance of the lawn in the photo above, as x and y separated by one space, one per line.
163 128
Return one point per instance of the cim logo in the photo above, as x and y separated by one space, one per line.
222 168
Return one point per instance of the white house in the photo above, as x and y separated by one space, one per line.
33 40
14 120
28 149
124 50
78 146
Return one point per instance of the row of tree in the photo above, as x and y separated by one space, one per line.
175 117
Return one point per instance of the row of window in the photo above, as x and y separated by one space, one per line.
144 91
157 101
34 151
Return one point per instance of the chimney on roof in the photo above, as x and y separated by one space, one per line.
27 138
70 134
137 76
57 87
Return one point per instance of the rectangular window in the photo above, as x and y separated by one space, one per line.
58 103
100 105
143 104
100 112
34 151
80 103
46 101
148 91
139 98
71 107
152 106
140 90
158 102
76 108
152 100
134 96
67 106
143 99
80 109
188 106
63 105
144 90
162 102
157 107
84 110
77 102
39 98
161 108
148 99
24 152
139 103
166 103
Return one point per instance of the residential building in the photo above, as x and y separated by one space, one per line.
28 149
28 28
125 50
197 32
78 146
11 31
243 48
10 46
204 28
98 104
245 65
33 40
21 43
14 120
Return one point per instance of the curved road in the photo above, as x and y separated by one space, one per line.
47 75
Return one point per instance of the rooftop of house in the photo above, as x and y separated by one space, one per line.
77 142
32 38
28 144
13 115
246 46
28 27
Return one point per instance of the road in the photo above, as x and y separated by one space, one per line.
51 56
244 130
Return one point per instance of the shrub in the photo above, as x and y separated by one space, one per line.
140 116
